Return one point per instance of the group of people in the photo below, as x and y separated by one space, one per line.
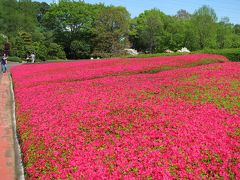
4 63
4 58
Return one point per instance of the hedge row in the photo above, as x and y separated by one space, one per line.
231 54
153 55
14 59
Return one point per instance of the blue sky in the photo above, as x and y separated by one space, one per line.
229 8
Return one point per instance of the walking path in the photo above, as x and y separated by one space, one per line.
8 167
7 153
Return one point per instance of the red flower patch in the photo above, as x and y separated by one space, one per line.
149 118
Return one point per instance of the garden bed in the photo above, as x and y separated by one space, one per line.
152 118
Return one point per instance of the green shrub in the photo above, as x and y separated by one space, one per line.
231 54
40 51
80 49
14 59
52 58
153 55
55 51
61 55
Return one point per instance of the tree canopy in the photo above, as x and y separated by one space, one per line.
76 29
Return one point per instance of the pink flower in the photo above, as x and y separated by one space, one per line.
159 118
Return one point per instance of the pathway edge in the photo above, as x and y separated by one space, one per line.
19 170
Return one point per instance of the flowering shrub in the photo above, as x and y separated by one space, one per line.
130 118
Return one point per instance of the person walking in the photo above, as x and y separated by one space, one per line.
33 57
4 63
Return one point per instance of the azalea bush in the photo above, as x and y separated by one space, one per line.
164 117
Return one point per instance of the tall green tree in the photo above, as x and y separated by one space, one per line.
41 9
3 41
236 36
9 17
174 35
70 21
150 30
237 29
183 15
224 33
27 16
204 23
191 37
112 28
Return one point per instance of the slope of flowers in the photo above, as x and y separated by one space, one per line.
182 123
82 70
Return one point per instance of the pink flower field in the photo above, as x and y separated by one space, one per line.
169 117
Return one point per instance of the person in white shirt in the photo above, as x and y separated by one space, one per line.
33 57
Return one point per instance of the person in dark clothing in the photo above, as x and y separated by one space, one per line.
4 63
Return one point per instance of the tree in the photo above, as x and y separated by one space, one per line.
174 33
204 23
41 9
23 44
111 30
150 30
84 30
69 21
236 36
9 17
80 49
3 40
224 33
183 15
237 29
191 38
27 16
55 51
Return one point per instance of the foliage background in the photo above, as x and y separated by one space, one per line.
75 29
